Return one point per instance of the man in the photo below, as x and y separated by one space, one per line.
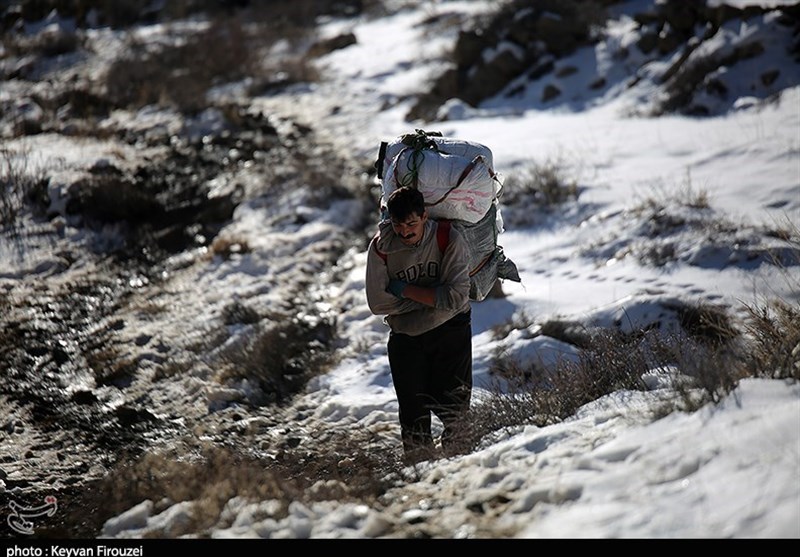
417 276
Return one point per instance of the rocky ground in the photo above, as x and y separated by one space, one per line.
115 236
95 343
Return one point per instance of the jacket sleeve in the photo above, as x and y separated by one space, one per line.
453 291
380 301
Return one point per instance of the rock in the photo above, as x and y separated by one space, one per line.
326 46
132 519
550 92
84 397
217 394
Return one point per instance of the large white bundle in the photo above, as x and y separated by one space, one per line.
454 187
458 182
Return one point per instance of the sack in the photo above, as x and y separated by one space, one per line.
459 185
455 177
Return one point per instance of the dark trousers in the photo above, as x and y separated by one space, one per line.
432 372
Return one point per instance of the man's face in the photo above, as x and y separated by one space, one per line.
411 229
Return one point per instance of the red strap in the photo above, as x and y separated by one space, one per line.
443 234
381 254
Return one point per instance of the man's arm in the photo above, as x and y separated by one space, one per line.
380 301
422 294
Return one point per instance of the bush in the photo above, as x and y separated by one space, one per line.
543 184
279 356
20 184
774 332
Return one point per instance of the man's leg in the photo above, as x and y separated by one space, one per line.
451 384
410 377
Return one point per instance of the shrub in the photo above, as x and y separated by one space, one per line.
774 333
280 355
20 183
544 184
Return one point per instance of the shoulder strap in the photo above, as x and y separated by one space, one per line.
443 234
381 254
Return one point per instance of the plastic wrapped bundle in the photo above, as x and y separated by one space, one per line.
459 184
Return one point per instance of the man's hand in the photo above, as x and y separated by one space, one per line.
396 287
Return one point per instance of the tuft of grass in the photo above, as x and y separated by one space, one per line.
544 184
172 367
227 246
774 339
110 367
519 321
788 231
571 332
706 323
236 312
684 195
21 184
786 259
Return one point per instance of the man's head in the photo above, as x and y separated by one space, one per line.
407 212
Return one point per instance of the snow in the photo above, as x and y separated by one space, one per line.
618 468
614 469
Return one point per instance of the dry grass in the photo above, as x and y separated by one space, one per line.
237 312
544 184
519 321
179 75
774 332
685 194
713 352
110 367
51 42
21 183
234 46
346 467
227 246
209 480
280 356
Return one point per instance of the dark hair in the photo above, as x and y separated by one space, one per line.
405 201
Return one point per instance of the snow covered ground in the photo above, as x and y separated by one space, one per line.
613 470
